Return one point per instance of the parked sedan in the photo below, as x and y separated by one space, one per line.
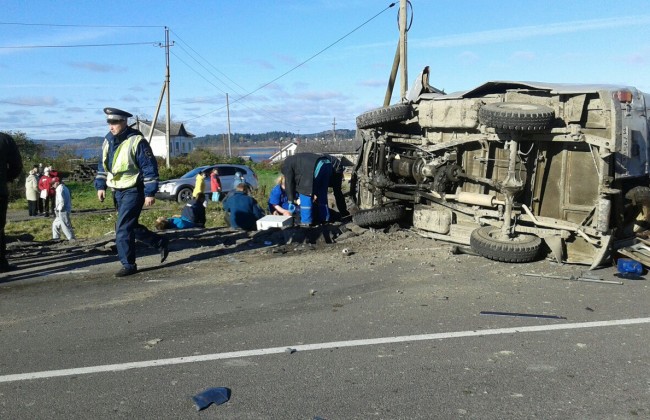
181 189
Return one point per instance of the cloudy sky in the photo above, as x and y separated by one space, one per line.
290 65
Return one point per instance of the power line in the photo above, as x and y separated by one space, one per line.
80 26
154 43
302 63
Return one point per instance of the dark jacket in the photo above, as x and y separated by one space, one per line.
194 212
11 164
298 171
244 211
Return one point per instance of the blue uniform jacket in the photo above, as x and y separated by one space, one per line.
194 212
244 211
144 157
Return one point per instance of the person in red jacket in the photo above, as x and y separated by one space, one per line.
215 184
44 186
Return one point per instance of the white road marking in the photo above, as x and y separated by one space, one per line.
316 346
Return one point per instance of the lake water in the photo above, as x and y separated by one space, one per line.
257 154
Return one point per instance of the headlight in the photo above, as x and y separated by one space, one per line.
167 188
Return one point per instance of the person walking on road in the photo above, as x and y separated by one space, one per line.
129 168
62 211
31 192
11 165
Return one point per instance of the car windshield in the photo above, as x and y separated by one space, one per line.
194 172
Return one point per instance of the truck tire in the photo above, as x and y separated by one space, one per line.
516 116
379 216
184 195
385 115
486 242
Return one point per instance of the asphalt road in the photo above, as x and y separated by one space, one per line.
391 330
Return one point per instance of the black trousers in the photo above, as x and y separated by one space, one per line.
32 206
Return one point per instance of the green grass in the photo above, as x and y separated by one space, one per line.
89 226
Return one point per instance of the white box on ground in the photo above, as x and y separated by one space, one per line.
268 222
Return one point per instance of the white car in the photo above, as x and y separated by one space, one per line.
181 189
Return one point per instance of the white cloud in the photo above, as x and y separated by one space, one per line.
97 67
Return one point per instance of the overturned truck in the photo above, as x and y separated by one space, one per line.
516 170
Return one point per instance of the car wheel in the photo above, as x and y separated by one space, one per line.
516 116
489 242
385 115
379 216
184 195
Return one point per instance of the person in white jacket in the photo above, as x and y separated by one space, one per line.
31 191
62 211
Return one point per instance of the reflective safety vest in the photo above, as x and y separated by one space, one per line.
124 172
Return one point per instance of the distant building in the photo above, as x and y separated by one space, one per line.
288 150
180 139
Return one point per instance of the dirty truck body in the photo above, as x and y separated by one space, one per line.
517 170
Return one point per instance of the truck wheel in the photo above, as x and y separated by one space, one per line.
487 242
516 116
385 115
379 216
184 195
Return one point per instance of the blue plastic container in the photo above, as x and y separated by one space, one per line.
629 266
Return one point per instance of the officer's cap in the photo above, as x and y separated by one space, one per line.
114 114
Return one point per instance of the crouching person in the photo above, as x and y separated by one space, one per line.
193 215
62 209
242 210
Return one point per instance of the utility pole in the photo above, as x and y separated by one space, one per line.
228 111
402 46
162 94
334 129
400 58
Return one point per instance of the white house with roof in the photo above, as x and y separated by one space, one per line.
180 139
287 150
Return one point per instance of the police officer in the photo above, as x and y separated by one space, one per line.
129 168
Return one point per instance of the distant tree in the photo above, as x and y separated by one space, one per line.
30 151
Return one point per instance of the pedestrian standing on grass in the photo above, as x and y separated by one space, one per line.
31 192
215 185
129 168
62 211
44 186
11 165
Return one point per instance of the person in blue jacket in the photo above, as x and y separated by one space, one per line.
278 199
193 215
242 210
128 166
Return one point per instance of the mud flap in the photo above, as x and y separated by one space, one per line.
603 253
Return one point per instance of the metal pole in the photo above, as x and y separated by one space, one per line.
228 111
155 117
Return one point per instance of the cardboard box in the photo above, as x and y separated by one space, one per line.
267 222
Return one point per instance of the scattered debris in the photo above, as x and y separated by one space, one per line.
289 350
312 292
151 343
216 396
582 277
521 315
457 250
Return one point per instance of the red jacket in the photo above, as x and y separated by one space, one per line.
215 183
45 183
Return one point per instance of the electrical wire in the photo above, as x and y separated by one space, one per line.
154 43
81 26
302 63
